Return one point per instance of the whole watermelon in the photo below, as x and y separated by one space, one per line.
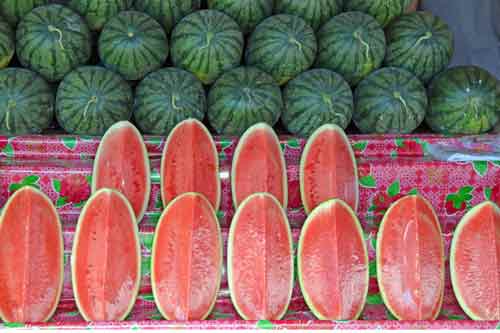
315 98
167 12
165 98
98 12
390 100
384 11
241 98
283 46
7 44
207 43
248 13
14 10
351 44
26 102
419 42
133 44
314 12
91 99
53 40
463 100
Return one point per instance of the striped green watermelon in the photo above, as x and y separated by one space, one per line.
165 98
241 98
384 11
419 42
53 40
207 43
463 100
98 12
14 10
283 46
26 102
248 13
7 44
91 99
390 100
316 98
314 12
167 12
351 44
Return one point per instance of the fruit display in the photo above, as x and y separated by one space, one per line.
7 44
314 12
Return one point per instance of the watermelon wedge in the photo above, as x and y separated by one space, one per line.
186 265
410 260
31 257
259 166
475 262
106 258
333 262
328 169
260 259
190 163
122 164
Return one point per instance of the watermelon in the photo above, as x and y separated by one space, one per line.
328 169
248 13
259 166
186 264
53 40
260 259
133 44
333 262
106 258
351 44
283 46
122 164
390 100
410 260
31 257
314 12
190 163
14 10
315 98
207 43
475 264
241 98
166 97
420 43
167 12
463 100
98 12
91 99
384 11
26 102
7 44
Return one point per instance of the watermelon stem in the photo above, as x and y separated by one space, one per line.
54 29
92 100
427 35
296 42
365 44
174 99
398 96
10 105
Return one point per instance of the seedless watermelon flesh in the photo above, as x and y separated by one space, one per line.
31 257
333 262
410 260
475 262
186 263
260 259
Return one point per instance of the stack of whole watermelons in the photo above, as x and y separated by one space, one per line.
234 63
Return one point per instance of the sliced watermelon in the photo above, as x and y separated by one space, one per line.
333 262
190 163
475 262
122 164
186 265
410 260
328 169
106 258
260 259
259 166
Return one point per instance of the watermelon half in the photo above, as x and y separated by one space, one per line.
106 258
328 169
31 257
475 262
333 262
122 164
410 260
190 163
260 259
186 265
259 165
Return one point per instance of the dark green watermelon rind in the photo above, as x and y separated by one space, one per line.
14 10
97 12
314 12
384 11
167 13
7 44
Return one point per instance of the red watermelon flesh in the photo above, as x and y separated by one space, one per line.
333 262
190 163
259 166
122 164
187 259
105 262
31 258
260 259
410 260
475 262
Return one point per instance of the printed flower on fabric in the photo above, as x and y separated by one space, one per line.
408 147
493 194
459 201
384 199
72 189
